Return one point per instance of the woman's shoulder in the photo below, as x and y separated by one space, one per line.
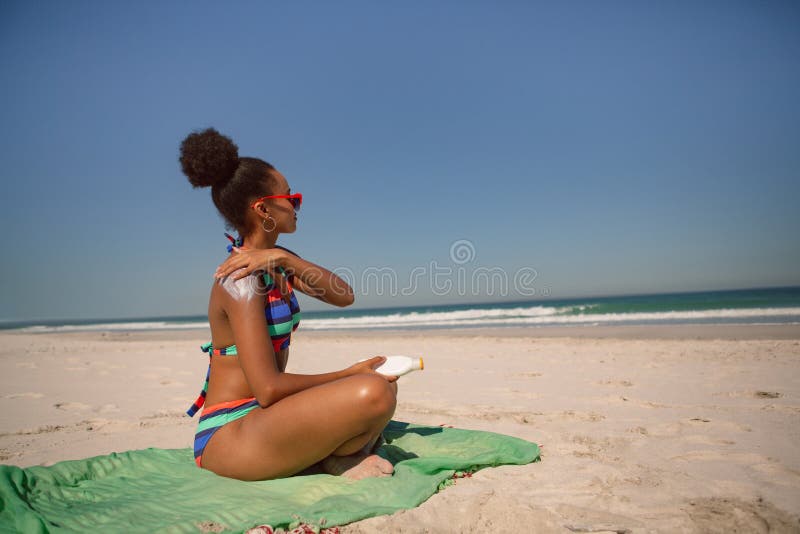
287 250
247 288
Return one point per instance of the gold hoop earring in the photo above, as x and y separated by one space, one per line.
274 224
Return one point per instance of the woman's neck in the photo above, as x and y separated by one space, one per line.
260 240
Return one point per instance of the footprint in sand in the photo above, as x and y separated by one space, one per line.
578 519
70 406
27 395
96 424
108 408
528 375
718 514
6 454
624 383
757 394
173 383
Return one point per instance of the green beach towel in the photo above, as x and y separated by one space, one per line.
163 490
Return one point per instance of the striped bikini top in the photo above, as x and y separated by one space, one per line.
282 319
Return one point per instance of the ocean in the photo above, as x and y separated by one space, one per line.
744 306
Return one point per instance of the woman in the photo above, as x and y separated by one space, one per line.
259 422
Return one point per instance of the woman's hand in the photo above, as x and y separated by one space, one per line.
368 367
245 261
307 277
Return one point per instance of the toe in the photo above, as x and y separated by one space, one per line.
384 465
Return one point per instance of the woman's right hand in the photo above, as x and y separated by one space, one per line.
246 261
368 367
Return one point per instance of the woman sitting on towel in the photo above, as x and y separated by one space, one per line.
259 422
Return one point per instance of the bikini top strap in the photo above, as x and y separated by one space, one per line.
269 281
235 242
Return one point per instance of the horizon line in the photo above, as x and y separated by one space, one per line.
381 308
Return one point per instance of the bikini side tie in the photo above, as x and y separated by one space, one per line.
201 399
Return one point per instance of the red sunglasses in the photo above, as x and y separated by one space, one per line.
296 200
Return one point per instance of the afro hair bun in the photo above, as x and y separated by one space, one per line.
208 158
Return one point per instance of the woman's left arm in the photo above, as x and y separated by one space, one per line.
309 278
317 281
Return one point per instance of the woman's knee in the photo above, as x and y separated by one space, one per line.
374 393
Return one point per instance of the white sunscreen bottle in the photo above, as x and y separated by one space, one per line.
399 365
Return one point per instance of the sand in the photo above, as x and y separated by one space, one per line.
642 429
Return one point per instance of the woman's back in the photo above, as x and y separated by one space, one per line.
282 316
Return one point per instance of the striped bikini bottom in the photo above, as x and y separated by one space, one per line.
212 418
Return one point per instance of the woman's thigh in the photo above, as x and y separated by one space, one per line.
300 429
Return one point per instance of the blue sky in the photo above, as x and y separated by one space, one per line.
614 147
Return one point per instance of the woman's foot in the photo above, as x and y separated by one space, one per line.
358 466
